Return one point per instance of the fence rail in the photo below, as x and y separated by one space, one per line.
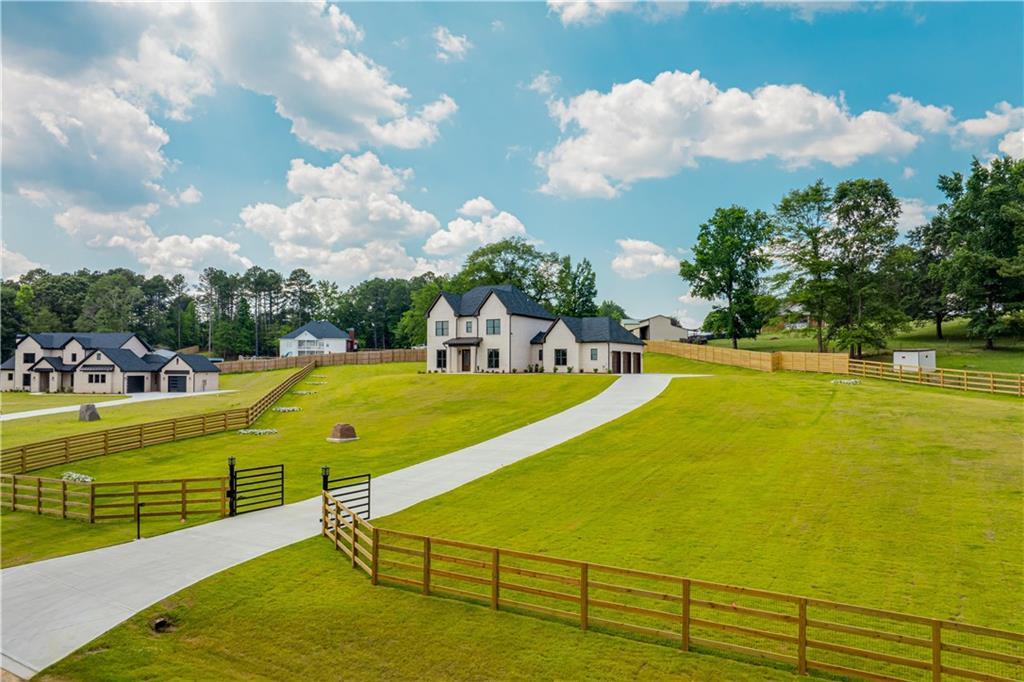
115 500
46 453
802 632
1005 383
363 357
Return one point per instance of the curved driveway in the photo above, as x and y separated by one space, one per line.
50 608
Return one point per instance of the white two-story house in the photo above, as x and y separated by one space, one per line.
498 328
318 337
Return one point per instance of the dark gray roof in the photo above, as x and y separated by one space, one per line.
597 330
320 329
56 363
8 363
89 340
199 363
128 361
514 300
464 341
539 337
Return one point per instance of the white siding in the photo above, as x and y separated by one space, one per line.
561 337
523 330
442 311
493 309
114 380
136 346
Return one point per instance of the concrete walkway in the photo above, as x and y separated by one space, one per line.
50 608
131 399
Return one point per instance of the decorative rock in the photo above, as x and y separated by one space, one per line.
75 477
285 409
342 433
257 432
160 624
846 382
88 413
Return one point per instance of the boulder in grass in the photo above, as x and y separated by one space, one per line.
342 433
88 413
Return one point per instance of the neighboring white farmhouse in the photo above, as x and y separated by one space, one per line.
317 338
500 329
106 362
657 328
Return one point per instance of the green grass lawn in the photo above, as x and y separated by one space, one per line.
954 351
23 401
401 417
248 388
875 494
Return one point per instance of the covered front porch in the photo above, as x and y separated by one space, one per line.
462 354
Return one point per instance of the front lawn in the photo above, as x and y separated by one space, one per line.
247 387
401 418
874 494
23 401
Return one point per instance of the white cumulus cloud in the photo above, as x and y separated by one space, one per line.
450 47
640 130
1012 144
544 83
190 195
13 264
929 117
915 213
639 258
588 12
464 234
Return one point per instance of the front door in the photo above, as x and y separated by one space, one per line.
464 359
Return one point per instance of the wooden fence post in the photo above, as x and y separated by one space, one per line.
936 650
223 496
135 499
92 503
39 495
184 502
355 522
375 554
14 492
584 596
801 643
495 573
63 499
426 565
685 646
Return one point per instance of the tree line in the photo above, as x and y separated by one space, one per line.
833 254
231 314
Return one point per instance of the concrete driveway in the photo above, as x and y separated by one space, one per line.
130 399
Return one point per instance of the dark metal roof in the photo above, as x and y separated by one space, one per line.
89 340
8 363
320 329
199 363
539 337
128 361
514 300
464 341
597 330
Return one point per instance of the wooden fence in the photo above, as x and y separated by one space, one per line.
109 501
1005 383
68 449
805 633
363 357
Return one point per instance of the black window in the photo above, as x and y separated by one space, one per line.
493 326
561 357
74 357
441 328
442 359
103 378
593 354
28 358
493 358
10 376
540 355
469 326
92 378
26 379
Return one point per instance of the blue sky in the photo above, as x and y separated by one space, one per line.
387 139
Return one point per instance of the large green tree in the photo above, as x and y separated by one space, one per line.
612 309
514 261
984 214
577 289
728 261
863 234
803 219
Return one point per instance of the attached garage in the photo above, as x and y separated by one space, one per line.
135 383
177 383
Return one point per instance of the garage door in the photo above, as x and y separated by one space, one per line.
176 384
136 384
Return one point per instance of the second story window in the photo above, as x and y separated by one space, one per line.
494 326
28 358
469 326
74 357
441 328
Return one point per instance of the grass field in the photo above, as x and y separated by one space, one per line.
248 388
875 494
401 418
954 351
22 401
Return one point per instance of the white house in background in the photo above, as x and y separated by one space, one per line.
914 358
104 362
498 328
317 338
657 328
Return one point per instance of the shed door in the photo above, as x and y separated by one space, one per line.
136 384
176 383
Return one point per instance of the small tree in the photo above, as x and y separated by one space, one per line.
728 260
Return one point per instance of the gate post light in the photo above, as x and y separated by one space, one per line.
325 473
